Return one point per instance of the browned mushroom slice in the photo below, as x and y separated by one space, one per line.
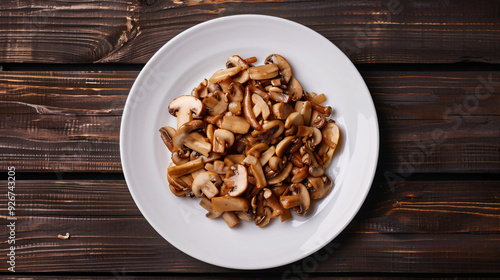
260 107
187 137
248 110
276 125
215 103
294 89
331 135
235 124
186 168
315 138
205 183
299 199
280 97
181 156
285 70
283 145
167 135
242 76
294 119
236 158
229 203
245 216
223 73
318 120
282 110
262 72
237 182
301 175
325 110
236 92
230 218
265 156
263 220
321 186
285 172
217 166
207 204
305 109
222 139
201 90
257 171
185 108
272 201
276 164
235 108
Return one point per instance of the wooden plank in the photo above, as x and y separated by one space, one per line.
131 31
431 226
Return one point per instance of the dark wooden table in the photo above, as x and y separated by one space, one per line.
432 68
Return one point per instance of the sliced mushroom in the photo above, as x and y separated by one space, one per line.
187 137
318 120
223 73
305 109
189 167
217 166
272 201
268 125
260 107
315 139
201 90
299 199
229 203
181 156
185 108
204 183
301 175
321 186
263 220
283 145
237 182
245 216
242 76
282 110
264 157
257 150
230 218
262 72
215 103
294 119
235 124
325 110
222 139
285 70
236 92
294 89
248 110
207 204
285 172
257 171
167 135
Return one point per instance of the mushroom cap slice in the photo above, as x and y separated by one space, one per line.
295 119
222 139
204 183
304 198
322 186
284 67
295 89
331 134
185 136
185 108
239 181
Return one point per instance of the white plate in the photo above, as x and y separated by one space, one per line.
176 69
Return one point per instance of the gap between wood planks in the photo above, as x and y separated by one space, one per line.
464 66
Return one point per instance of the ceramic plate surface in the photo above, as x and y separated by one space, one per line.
178 67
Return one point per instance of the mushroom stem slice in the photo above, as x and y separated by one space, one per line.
207 204
257 171
230 218
290 201
185 168
229 203
271 201
248 110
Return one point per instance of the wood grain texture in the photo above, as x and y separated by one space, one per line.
429 122
418 227
131 31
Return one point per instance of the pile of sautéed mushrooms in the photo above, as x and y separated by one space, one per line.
251 143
